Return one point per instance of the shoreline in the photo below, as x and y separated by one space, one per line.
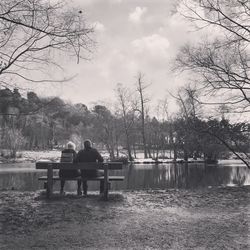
54 155
136 162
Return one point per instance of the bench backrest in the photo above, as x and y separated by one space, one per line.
83 165
67 157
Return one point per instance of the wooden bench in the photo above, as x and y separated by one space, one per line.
50 166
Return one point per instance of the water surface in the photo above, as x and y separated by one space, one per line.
24 177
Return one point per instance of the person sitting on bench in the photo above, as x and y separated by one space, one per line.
90 154
69 155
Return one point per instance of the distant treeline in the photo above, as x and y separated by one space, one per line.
39 123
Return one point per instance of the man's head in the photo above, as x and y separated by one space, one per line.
71 145
87 144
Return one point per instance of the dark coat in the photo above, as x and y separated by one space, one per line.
89 155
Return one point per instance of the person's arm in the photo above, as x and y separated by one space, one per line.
74 157
99 157
77 159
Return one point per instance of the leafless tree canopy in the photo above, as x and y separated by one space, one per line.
222 63
31 31
230 15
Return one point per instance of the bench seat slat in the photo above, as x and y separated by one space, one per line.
57 178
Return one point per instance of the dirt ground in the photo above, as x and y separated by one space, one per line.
216 218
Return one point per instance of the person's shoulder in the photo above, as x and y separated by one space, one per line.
80 151
96 152
69 150
66 150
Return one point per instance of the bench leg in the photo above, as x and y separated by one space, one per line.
84 187
101 186
50 182
62 184
106 180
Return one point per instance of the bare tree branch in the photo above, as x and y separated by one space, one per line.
30 30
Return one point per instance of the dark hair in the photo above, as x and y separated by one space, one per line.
87 144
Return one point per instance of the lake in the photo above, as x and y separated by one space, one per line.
24 176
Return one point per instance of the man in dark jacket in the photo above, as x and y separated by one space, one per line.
90 154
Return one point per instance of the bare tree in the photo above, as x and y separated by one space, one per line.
105 128
33 31
127 114
14 140
222 64
162 115
140 88
189 107
224 72
187 98
230 136
161 110
232 17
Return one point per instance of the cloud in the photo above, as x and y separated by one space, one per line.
85 2
115 1
137 14
154 45
99 26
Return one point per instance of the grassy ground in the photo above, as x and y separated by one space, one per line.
216 218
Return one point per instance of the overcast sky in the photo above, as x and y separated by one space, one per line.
131 36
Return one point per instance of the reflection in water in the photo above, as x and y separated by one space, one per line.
140 177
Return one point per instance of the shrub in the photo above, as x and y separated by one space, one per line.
123 159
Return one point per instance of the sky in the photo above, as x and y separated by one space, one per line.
131 36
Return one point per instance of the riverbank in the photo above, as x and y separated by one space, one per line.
216 218
32 156
54 155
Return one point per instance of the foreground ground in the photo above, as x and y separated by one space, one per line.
216 218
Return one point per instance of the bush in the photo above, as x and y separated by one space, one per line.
123 159
14 141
